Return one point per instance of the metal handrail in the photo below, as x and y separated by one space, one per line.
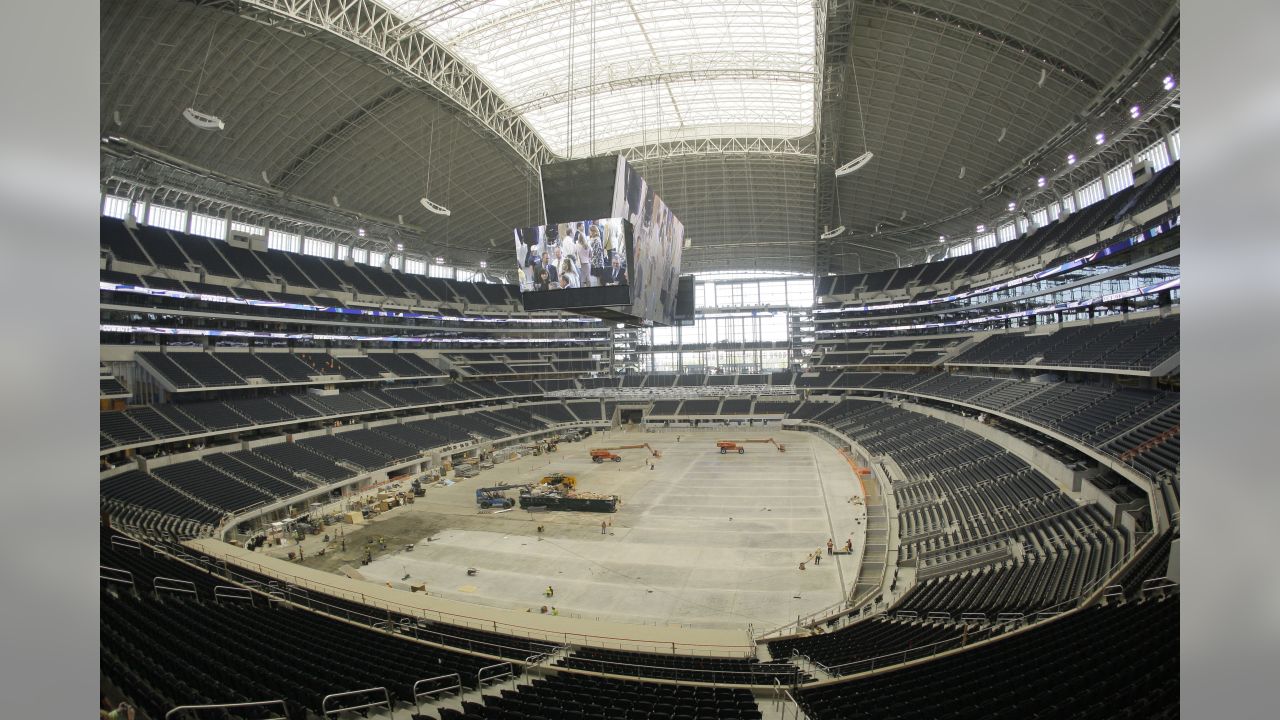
1154 584
800 714
174 585
915 653
792 671
284 714
231 592
562 638
125 542
385 702
104 573
481 678
457 685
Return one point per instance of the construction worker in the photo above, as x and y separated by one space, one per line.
602 527
817 559
848 545
550 591
830 546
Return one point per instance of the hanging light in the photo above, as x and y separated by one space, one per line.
433 207
854 164
203 121
833 233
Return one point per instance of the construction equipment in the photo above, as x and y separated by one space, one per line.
727 446
731 445
493 497
559 480
561 498
599 455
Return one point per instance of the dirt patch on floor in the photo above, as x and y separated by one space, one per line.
408 526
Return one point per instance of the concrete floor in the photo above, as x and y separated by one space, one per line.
704 540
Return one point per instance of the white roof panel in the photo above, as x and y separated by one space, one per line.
639 71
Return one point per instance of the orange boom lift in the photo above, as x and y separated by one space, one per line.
599 455
727 446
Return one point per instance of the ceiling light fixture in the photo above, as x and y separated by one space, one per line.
360 232
1040 182
1135 111
833 233
1100 138
1169 82
439 260
1044 73
433 207
854 164
982 228
203 121
430 206
1071 159
1013 205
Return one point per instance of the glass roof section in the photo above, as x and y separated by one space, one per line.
635 72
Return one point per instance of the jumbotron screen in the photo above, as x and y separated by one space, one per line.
573 263
659 241
578 264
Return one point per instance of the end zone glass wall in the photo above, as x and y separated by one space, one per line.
742 325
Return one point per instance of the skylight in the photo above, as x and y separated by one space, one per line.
658 70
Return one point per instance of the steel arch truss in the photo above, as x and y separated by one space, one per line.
802 147
411 57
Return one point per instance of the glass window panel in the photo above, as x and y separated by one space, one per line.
208 226
317 247
1119 178
167 217
116 207
288 242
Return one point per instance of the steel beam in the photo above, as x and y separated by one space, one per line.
412 58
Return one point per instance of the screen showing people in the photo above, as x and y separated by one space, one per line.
585 254
658 239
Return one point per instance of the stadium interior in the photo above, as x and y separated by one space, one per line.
912 451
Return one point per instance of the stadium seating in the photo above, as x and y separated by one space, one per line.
582 696
1114 662
860 644
743 671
